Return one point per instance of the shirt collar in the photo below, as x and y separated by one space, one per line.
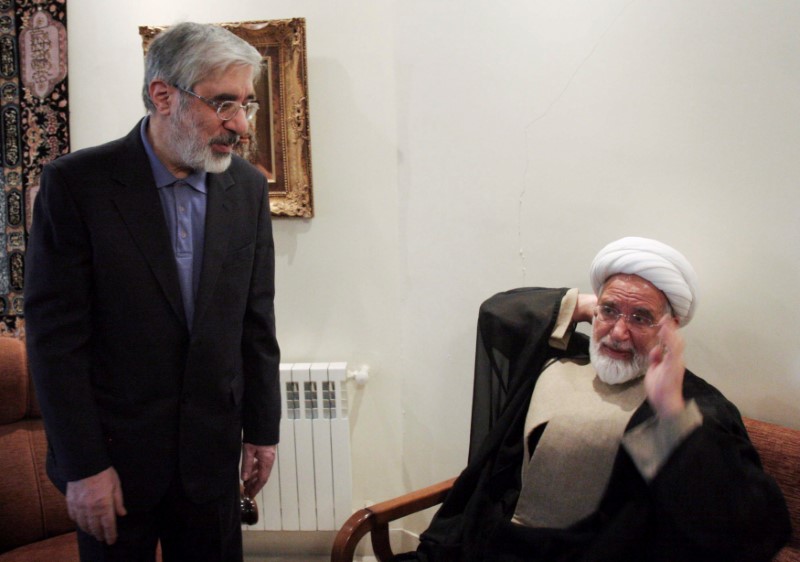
163 177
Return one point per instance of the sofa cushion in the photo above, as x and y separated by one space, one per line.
32 508
63 548
15 382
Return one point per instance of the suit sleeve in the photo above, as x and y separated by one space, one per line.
261 355
58 289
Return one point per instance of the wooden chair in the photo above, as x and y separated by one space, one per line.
778 446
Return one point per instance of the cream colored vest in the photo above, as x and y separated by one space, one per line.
565 479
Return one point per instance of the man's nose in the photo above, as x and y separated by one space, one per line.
239 123
620 330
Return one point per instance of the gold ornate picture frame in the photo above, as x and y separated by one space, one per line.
280 143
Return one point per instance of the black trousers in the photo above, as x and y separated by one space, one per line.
209 532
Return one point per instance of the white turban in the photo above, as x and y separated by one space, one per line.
661 265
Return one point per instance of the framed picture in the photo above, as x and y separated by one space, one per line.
279 143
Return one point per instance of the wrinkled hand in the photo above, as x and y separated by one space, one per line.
94 504
664 379
584 310
257 461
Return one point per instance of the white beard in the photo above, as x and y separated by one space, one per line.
616 371
189 147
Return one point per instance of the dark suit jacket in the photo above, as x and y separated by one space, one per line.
121 378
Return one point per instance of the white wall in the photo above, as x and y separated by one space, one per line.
464 147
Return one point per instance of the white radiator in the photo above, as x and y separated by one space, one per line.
310 488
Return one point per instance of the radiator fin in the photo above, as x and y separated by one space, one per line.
310 488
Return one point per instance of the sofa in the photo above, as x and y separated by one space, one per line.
34 525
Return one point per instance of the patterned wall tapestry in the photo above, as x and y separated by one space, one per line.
34 129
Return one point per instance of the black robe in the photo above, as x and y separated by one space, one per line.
710 501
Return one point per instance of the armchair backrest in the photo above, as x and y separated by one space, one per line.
779 449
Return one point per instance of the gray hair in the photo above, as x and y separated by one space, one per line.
188 53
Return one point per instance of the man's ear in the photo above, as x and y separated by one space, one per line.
160 94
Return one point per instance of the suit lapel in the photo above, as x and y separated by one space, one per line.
218 228
141 210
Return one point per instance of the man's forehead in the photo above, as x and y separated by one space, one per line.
634 290
226 79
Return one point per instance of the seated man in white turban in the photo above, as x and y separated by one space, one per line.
608 449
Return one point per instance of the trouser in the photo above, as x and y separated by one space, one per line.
187 531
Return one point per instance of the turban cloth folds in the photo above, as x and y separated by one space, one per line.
658 263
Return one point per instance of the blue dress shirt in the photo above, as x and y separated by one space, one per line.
184 204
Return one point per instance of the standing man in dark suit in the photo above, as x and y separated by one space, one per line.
149 314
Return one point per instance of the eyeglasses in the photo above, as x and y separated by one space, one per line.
226 110
637 321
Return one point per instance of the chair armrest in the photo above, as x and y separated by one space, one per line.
375 519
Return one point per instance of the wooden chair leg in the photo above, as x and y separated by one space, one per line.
376 518
348 537
380 543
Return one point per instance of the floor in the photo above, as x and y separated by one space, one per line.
309 558
306 546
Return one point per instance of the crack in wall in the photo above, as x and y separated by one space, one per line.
527 130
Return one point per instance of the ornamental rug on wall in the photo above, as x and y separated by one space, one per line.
34 129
